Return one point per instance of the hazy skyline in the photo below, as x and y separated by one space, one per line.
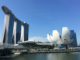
43 16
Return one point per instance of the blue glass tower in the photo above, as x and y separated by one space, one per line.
73 38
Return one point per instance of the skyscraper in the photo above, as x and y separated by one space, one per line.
14 30
73 38
8 29
24 32
66 35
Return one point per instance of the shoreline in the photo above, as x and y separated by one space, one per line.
54 51
33 51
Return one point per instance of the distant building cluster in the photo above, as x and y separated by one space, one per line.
67 37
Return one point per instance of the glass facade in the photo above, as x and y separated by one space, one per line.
12 28
25 32
13 31
8 30
73 38
18 32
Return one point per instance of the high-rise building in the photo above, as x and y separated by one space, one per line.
14 30
66 35
73 38
24 32
8 29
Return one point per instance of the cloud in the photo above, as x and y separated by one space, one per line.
38 39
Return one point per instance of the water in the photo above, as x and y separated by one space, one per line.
44 56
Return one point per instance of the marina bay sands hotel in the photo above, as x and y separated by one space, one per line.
14 30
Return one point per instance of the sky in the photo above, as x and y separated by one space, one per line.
43 16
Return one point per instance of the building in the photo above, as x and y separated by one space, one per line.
33 44
66 35
54 38
73 38
14 30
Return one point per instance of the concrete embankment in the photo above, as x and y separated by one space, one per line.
52 50
4 52
11 51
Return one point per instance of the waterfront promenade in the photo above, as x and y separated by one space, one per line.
20 49
52 50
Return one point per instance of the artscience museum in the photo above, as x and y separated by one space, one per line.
67 37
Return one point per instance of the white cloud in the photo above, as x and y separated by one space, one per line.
38 39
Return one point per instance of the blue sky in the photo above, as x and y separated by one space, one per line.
43 16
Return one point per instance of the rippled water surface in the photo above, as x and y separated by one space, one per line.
43 56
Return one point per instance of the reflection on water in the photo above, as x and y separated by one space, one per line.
44 56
